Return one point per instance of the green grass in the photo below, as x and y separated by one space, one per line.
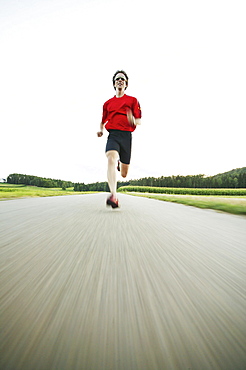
228 204
184 191
11 191
224 203
226 200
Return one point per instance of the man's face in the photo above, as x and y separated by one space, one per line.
120 81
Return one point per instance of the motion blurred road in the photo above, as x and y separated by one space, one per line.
152 285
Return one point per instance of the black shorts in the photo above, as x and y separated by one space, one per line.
121 141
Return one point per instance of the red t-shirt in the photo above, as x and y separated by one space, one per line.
115 113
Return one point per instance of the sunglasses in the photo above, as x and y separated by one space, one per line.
120 78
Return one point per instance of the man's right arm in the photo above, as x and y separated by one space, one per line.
104 120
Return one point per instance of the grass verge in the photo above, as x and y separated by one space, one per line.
185 191
229 205
9 191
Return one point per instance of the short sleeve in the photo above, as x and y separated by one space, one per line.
105 113
136 109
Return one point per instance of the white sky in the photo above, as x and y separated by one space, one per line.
186 62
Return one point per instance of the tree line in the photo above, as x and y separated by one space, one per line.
226 180
232 179
97 186
42 182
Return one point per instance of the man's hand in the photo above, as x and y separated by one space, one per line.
99 133
130 117
132 120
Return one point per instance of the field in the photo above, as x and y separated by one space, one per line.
11 191
225 200
184 191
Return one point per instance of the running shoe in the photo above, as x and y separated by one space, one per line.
118 165
113 202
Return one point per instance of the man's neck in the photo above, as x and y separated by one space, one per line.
120 93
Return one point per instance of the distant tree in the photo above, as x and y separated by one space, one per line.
36 181
235 182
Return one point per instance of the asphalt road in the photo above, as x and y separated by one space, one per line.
152 285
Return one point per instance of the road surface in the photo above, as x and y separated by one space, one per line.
152 285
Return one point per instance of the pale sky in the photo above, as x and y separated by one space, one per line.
186 66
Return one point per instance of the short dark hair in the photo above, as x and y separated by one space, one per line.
124 73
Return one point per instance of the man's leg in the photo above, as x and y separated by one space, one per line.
112 156
124 169
125 153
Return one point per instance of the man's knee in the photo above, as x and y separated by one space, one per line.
112 157
111 160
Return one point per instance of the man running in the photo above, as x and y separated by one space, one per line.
120 116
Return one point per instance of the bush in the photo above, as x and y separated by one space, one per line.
183 191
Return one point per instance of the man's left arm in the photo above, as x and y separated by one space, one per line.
134 115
